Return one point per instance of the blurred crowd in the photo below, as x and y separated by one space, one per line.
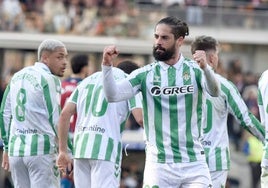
104 17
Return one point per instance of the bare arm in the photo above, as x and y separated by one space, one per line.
5 161
63 160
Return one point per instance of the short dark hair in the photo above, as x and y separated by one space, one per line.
127 66
179 27
205 43
78 62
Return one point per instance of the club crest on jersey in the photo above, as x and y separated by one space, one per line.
172 90
157 79
186 76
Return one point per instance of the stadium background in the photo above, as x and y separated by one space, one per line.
87 26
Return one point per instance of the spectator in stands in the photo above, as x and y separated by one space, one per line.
56 19
12 15
109 12
89 12
194 11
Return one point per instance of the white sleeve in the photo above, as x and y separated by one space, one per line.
211 83
115 91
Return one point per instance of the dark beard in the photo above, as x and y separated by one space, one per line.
164 55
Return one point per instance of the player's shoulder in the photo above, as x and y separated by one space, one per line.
264 75
224 81
118 71
149 67
190 63
94 76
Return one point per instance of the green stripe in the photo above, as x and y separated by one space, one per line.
132 102
119 152
96 146
22 145
12 145
260 102
4 134
48 102
34 145
46 144
188 111
76 139
257 124
233 104
70 143
206 150
145 110
84 138
75 96
109 149
199 109
58 90
228 158
158 119
208 117
96 101
141 79
218 158
173 116
123 124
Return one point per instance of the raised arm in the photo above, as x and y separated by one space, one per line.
114 91
211 83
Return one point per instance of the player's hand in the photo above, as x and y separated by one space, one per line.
109 54
64 163
201 58
5 161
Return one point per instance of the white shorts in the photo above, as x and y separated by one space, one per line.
219 178
183 175
35 171
96 173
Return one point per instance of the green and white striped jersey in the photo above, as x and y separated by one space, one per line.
30 111
263 109
172 108
99 124
216 140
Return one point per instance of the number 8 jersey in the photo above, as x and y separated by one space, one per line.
29 112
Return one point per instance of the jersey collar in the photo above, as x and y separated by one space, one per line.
42 66
176 66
